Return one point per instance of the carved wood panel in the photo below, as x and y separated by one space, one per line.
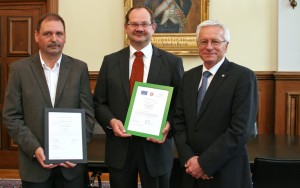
265 116
20 31
287 112
293 113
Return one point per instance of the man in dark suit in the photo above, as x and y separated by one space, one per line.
211 142
129 156
48 79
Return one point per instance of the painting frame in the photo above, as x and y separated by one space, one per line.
182 44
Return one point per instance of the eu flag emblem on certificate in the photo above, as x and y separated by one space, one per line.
144 92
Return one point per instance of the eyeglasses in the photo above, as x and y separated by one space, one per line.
214 43
136 25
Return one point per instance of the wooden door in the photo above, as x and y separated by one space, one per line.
18 20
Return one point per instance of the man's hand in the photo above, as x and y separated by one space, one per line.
67 164
118 128
193 168
165 132
40 156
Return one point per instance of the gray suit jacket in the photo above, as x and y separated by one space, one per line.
27 96
219 133
111 100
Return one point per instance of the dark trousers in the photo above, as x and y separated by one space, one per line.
136 165
56 180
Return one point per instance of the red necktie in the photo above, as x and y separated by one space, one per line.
137 70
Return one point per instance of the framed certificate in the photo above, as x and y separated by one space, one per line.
65 135
148 110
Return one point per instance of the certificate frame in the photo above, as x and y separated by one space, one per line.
78 138
165 105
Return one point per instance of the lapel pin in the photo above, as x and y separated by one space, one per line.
223 75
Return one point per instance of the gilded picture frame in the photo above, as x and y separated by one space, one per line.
180 42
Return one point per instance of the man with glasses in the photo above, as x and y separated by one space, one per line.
213 114
129 156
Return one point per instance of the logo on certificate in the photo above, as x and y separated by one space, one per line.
144 92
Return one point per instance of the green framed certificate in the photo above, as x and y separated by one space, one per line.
148 110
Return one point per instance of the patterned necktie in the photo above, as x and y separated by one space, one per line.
137 71
202 89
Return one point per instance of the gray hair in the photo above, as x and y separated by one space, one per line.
213 23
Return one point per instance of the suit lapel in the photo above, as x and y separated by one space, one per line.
38 72
124 70
218 79
155 64
62 78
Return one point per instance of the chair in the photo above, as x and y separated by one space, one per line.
276 173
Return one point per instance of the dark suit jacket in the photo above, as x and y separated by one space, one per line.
26 97
218 134
111 100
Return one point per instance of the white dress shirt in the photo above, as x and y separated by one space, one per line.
147 51
51 77
213 72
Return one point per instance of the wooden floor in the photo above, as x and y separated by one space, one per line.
14 174
9 173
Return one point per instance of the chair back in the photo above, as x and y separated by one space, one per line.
276 173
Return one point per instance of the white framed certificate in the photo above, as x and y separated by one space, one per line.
65 135
148 110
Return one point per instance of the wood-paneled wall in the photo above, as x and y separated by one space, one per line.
287 106
279 101
266 94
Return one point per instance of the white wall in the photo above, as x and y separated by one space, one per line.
288 36
95 29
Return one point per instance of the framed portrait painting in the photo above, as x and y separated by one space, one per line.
176 23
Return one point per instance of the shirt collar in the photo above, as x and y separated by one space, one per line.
147 50
45 65
215 68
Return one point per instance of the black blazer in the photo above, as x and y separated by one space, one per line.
111 100
218 134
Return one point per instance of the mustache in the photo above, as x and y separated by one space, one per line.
53 44
139 32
